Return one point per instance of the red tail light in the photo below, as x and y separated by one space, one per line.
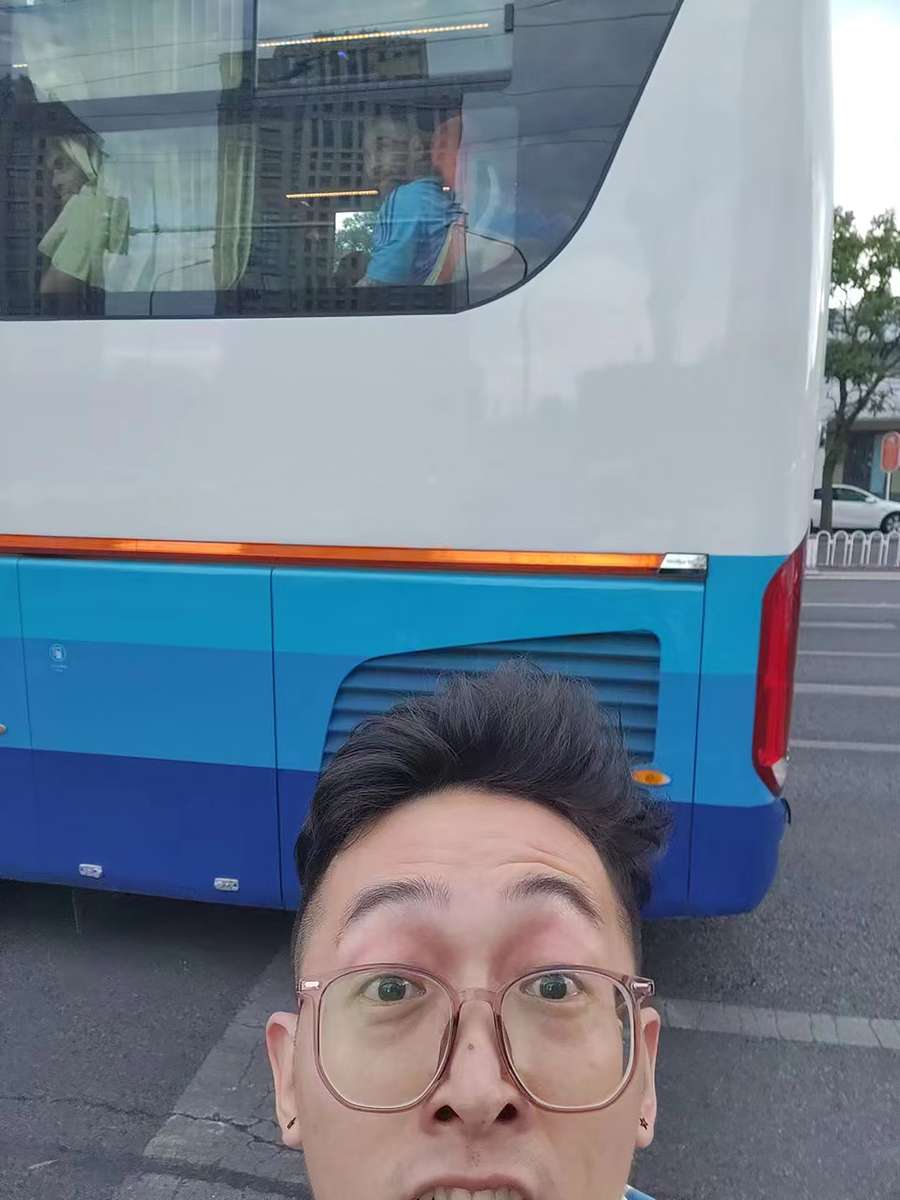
775 676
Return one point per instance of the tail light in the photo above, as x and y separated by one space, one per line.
775 675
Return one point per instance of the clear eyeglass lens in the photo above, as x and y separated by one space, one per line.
382 1035
569 1036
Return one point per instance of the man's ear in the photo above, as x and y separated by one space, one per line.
281 1030
649 1034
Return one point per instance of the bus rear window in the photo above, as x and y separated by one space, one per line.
160 158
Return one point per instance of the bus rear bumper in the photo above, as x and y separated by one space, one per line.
733 859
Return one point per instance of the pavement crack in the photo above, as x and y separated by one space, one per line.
239 1127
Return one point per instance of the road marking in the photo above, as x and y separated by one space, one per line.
852 653
847 625
223 1122
780 1024
838 575
846 604
863 747
885 692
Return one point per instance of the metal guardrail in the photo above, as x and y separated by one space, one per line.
858 549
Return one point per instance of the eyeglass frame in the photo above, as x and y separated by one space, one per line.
636 988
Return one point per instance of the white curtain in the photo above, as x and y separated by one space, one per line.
188 190
97 49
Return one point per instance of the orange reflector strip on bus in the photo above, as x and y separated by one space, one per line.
534 561
651 778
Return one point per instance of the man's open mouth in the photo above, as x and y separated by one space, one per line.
458 1193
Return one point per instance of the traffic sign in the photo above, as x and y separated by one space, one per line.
890 452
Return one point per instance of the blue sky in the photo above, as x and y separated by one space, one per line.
867 105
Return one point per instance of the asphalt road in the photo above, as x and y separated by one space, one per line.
109 1005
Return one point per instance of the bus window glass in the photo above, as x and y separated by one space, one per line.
162 158
342 43
94 49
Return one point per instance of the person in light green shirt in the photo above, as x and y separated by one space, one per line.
90 224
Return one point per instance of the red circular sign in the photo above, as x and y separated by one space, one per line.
890 452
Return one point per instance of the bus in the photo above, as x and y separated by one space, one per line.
351 343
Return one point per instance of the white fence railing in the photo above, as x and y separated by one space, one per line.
859 549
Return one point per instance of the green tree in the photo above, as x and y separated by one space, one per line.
863 351
355 234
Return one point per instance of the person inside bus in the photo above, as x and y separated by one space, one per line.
418 213
460 852
71 243
86 227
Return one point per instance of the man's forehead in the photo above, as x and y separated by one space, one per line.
463 832
422 893
456 853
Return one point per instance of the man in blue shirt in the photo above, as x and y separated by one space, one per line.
472 1024
414 222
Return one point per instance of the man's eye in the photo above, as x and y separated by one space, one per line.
390 989
552 986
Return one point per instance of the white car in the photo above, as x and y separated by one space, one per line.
854 508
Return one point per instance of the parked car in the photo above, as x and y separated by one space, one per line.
854 508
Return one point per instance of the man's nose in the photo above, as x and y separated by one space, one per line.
476 1089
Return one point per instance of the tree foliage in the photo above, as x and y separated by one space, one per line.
863 351
355 234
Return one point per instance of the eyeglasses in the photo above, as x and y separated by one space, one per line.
384 1034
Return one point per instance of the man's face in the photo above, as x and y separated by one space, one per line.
390 154
66 177
477 1131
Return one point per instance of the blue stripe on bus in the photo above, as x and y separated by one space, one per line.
157 827
168 702
171 828
171 605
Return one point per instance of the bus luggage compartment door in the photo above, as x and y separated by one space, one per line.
151 704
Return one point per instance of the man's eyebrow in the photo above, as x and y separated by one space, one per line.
394 891
562 889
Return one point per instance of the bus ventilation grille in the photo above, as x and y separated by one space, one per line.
621 668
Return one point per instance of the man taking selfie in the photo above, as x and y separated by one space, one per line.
472 1019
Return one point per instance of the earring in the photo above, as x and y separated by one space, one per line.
292 1122
644 1124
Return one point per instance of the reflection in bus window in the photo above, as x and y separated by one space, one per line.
347 43
414 224
90 225
162 158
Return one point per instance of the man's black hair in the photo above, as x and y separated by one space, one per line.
516 731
